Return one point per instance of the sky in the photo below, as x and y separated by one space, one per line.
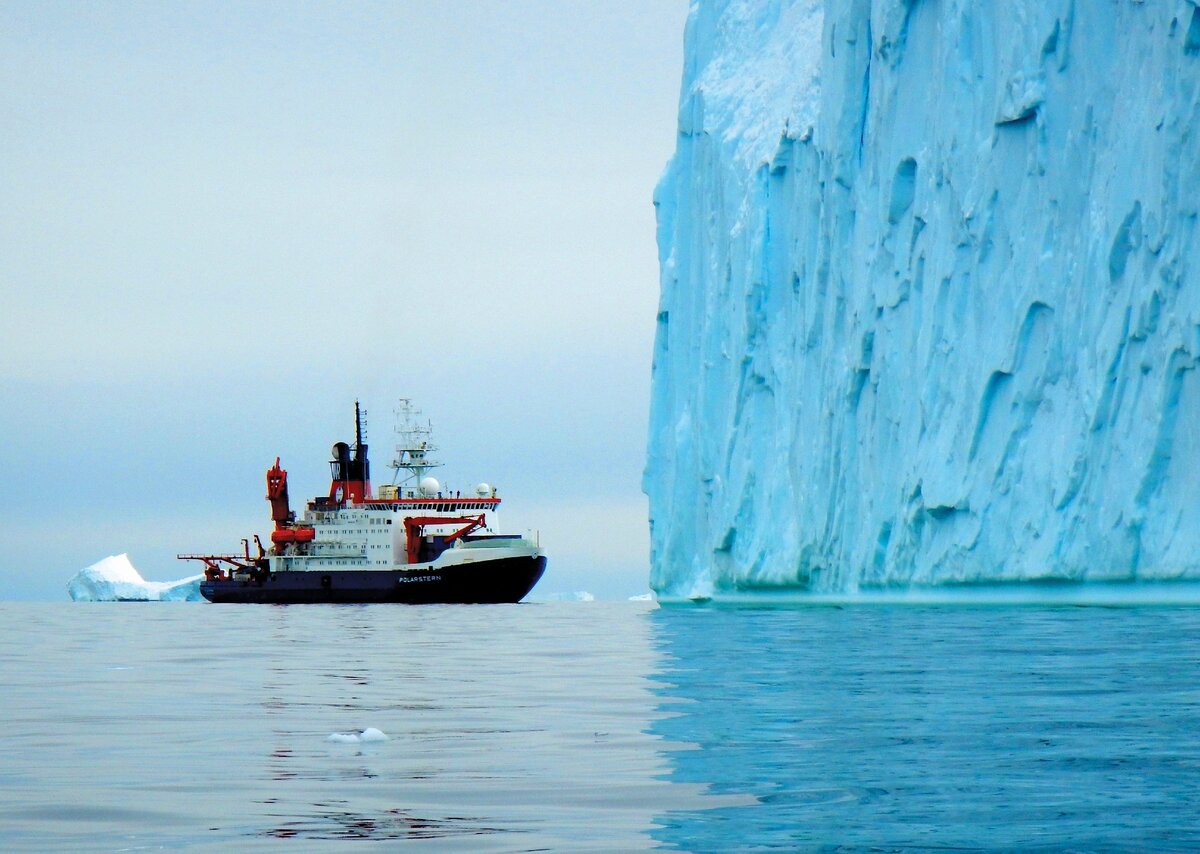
222 223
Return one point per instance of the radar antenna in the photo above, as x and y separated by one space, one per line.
414 445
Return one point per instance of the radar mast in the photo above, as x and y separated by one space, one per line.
414 445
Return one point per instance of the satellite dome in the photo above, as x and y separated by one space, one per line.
430 486
483 490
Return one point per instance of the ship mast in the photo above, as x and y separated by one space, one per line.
413 447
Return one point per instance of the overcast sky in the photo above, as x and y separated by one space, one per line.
223 222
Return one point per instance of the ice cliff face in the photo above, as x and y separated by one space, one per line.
930 301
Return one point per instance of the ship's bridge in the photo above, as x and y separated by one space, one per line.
438 505
454 504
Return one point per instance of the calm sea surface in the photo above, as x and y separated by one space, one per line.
599 726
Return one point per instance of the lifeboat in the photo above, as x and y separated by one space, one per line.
283 536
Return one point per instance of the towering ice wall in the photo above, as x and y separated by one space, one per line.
930 297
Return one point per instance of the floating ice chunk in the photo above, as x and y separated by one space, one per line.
368 734
642 597
577 596
115 579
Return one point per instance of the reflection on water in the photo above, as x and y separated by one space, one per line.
909 728
518 729
513 728
599 726
339 821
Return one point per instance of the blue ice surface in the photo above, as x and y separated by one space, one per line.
116 579
929 312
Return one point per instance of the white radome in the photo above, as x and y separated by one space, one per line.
483 490
430 486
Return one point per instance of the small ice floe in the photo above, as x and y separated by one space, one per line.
577 596
357 737
643 597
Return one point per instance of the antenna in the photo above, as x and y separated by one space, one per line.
414 444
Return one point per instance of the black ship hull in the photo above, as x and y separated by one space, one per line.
506 579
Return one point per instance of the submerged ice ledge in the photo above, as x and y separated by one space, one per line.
115 579
1100 594
929 312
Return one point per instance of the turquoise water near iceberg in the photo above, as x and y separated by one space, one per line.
919 728
599 726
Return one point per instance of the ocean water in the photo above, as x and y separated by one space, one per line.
599 726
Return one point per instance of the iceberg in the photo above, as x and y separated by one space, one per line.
358 736
928 311
115 579
575 596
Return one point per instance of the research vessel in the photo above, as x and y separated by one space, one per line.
413 542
